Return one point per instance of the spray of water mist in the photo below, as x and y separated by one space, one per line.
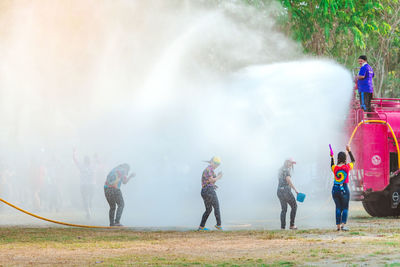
163 86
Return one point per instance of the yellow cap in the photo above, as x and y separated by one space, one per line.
216 160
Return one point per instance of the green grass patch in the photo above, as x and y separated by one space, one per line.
357 233
377 253
181 261
391 243
283 264
173 248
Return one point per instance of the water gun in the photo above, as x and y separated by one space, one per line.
330 147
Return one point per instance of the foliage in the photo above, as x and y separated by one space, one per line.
345 29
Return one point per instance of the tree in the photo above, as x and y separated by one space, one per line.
383 48
344 29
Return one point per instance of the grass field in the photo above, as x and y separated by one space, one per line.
376 243
370 242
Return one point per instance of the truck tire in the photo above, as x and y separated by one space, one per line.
378 204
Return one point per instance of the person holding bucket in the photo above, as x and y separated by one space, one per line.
340 189
208 180
285 194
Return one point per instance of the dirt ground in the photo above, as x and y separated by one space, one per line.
370 242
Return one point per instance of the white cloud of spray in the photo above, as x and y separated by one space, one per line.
163 85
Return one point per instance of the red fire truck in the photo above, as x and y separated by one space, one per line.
375 179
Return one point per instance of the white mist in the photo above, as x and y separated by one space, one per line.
163 86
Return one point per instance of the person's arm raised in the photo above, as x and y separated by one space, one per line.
75 158
350 154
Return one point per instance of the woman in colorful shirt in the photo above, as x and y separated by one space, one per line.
340 189
208 193
113 193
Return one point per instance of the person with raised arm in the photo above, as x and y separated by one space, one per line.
340 189
87 182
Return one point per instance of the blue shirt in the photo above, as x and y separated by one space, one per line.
365 85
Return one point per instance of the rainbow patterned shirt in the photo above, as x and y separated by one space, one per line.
342 173
207 173
116 177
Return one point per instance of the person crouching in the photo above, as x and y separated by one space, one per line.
113 193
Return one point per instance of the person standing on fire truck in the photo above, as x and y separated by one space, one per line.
364 83
340 190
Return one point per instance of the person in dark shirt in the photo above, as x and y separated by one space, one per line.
365 84
340 190
208 180
285 194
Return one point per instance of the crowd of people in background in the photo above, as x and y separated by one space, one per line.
47 183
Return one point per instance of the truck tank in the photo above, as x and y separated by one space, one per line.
375 179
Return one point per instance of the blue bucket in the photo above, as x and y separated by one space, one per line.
301 197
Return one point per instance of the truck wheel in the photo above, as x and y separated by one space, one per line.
377 204
369 208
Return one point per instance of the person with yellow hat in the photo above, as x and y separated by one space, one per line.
208 193
285 194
